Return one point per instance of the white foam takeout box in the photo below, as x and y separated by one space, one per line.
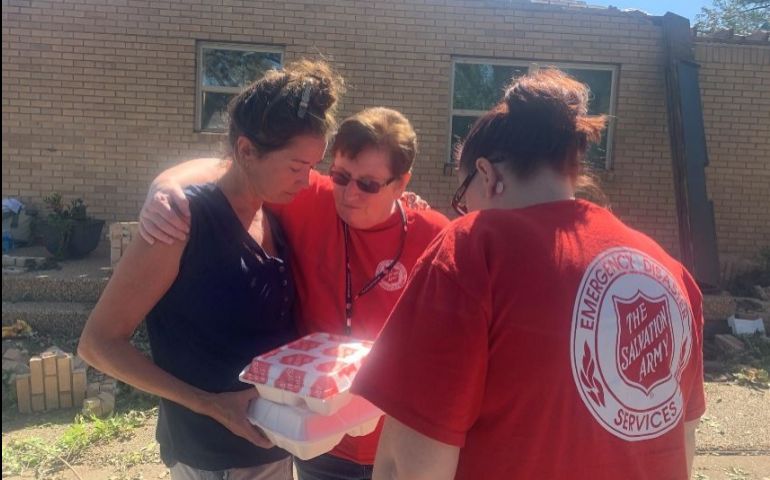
306 434
315 371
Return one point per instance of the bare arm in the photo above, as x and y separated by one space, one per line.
689 442
404 453
142 277
165 214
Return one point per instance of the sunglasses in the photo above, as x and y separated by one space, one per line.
458 201
367 186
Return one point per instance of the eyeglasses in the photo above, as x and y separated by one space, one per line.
458 201
366 186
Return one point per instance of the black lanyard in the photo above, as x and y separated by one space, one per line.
349 298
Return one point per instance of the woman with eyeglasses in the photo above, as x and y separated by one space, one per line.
225 293
539 336
353 241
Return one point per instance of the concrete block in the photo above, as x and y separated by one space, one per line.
93 389
23 396
9 261
21 261
9 365
92 406
13 354
21 369
107 402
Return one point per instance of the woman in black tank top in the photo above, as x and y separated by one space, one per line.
224 295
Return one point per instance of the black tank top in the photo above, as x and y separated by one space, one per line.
230 302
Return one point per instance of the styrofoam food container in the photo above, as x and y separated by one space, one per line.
315 371
306 434
742 326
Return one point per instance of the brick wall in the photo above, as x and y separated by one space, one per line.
99 95
735 90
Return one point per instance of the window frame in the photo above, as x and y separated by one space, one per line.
532 66
200 89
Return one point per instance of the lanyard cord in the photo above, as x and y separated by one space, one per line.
349 298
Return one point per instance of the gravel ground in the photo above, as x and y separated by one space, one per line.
733 442
737 420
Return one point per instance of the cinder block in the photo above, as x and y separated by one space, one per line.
23 396
108 402
92 406
93 389
36 384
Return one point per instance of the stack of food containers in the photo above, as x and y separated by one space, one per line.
305 404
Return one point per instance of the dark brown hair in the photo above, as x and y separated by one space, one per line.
271 112
542 121
378 127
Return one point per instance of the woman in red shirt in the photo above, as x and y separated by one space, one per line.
353 242
539 336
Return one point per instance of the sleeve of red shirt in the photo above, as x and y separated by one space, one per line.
428 367
696 400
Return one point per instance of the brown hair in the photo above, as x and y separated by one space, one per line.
271 111
541 121
378 127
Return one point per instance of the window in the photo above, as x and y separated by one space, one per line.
477 85
223 71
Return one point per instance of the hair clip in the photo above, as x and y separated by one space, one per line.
305 101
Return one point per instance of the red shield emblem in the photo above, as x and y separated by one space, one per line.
645 346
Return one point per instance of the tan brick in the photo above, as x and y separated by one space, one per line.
78 386
23 396
64 370
51 392
37 385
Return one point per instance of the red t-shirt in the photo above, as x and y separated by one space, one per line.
316 238
547 342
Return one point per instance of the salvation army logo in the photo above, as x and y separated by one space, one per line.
645 340
395 279
631 339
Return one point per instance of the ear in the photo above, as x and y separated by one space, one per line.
245 150
492 180
399 186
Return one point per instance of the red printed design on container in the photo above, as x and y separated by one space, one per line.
349 371
291 379
258 371
324 387
332 366
340 351
297 359
304 344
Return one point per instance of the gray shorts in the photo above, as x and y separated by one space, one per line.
280 470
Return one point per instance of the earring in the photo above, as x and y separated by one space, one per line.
499 188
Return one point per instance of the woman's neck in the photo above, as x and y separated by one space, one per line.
544 186
241 195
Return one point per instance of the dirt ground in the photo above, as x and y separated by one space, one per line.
733 442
